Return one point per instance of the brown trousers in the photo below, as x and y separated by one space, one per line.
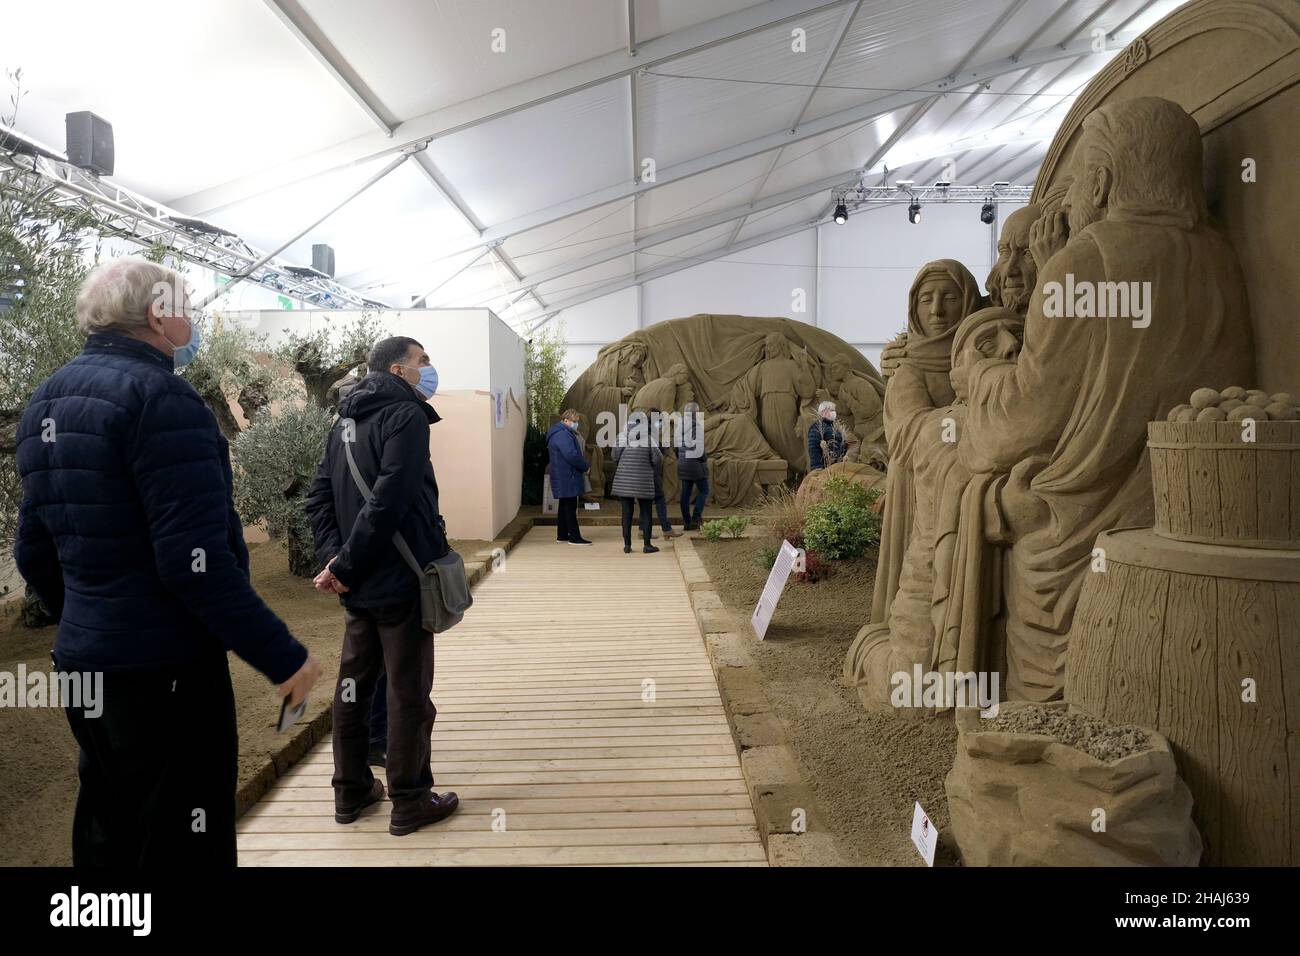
384 639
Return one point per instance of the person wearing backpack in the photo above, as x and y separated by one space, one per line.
385 420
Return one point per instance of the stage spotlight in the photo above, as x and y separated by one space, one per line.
841 214
988 213
914 213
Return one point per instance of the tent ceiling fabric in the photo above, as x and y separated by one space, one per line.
247 95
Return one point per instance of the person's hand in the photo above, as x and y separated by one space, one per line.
1048 236
1022 508
297 686
327 583
893 354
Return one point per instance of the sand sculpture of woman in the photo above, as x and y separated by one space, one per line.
772 391
943 293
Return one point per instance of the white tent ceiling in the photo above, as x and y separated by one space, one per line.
259 115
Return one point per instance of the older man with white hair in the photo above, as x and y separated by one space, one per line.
128 533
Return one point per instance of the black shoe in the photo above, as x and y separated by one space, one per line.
350 814
421 813
580 541
378 755
627 549
650 549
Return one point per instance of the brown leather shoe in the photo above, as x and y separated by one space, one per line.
420 813
350 814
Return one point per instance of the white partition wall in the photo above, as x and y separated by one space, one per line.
479 465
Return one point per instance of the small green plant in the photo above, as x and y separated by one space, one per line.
712 530
766 556
544 374
840 531
735 525
843 491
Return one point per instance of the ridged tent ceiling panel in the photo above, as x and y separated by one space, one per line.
691 245
718 189
572 238
805 210
395 218
733 92
657 17
418 56
179 106
540 156
577 283
892 46
830 153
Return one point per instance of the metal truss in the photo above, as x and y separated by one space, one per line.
121 213
935 193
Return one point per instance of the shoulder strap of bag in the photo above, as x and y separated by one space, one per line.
398 541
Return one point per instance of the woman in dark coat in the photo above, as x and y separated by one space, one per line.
635 458
568 466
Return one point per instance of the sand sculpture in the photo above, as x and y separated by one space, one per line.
948 585
1013 277
756 380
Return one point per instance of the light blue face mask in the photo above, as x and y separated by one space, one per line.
185 354
428 383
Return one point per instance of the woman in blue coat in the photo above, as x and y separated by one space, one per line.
568 466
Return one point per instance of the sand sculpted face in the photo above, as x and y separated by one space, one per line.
1012 280
776 346
939 304
993 333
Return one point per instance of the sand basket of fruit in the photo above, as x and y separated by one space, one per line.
1225 469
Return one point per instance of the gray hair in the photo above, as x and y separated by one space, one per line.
825 407
117 294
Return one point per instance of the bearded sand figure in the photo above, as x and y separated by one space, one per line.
1012 279
672 390
969 545
1080 396
772 392
917 402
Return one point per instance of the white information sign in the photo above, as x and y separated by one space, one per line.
924 835
786 560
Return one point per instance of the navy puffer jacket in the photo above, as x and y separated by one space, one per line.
568 464
127 529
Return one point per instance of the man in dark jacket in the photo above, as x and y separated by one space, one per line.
826 443
386 420
128 534
692 466
568 466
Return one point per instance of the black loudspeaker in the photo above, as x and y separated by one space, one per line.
90 142
322 258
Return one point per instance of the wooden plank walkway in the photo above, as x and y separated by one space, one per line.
543 731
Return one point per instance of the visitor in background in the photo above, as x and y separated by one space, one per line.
692 466
660 501
385 419
826 444
568 468
635 457
128 534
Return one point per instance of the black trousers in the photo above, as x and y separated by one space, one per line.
647 518
566 525
376 640
158 768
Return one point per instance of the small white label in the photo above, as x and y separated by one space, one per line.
591 505
785 562
924 835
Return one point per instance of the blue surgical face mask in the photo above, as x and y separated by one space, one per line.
184 355
428 383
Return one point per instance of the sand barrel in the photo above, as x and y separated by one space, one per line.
1168 637
1212 487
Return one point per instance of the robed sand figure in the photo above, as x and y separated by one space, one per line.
1081 395
772 391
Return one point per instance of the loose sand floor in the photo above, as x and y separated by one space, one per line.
867 769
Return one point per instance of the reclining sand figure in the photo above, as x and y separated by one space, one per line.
918 410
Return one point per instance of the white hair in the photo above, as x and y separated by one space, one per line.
825 407
116 296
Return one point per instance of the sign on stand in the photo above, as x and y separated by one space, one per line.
549 505
788 559
924 835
